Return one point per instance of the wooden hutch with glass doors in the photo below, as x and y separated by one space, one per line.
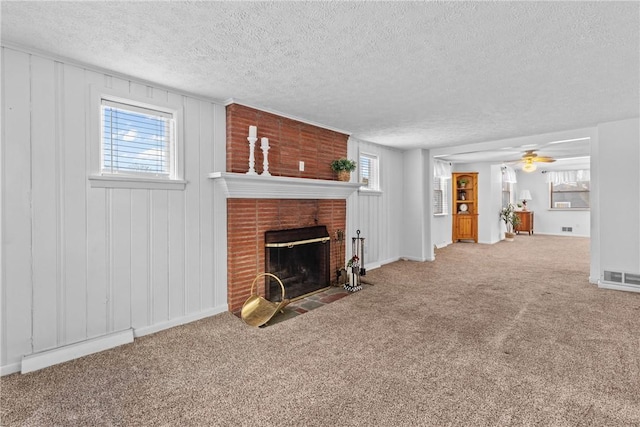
465 206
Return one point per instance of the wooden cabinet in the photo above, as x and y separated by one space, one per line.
465 206
526 222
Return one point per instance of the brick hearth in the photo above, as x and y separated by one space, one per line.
248 219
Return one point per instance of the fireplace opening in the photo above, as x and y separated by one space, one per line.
300 258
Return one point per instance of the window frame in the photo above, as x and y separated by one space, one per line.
443 186
374 173
103 179
577 208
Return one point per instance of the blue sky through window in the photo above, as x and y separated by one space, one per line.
135 142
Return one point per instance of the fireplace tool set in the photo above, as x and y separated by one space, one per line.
356 264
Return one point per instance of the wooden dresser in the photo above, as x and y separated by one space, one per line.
526 222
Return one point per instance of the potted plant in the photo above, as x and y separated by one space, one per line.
463 183
511 220
343 167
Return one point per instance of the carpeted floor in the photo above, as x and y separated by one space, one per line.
504 334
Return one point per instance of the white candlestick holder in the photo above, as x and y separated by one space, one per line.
252 160
265 154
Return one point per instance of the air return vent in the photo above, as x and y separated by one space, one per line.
632 279
613 276
568 229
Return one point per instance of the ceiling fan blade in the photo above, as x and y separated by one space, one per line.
543 159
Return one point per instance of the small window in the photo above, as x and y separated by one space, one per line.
368 171
508 179
506 194
137 140
570 195
569 189
440 196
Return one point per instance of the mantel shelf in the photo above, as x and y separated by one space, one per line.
243 186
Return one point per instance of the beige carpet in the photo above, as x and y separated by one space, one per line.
505 334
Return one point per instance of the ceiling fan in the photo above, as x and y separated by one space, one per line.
530 158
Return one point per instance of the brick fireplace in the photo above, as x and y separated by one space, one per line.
249 218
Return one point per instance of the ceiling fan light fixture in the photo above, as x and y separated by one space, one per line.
529 167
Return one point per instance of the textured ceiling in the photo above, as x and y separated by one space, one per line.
402 74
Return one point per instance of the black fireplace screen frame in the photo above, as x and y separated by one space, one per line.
300 258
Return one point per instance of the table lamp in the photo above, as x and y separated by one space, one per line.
524 196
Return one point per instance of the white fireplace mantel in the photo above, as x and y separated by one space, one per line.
243 186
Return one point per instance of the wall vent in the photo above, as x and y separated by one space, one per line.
632 279
613 276
568 229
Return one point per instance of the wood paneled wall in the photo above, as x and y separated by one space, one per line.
81 262
378 216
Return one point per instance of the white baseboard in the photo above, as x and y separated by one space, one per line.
36 361
619 287
389 260
11 368
411 258
146 330
443 244
563 234
372 266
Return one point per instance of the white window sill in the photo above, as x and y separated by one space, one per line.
441 214
104 181
369 192
569 209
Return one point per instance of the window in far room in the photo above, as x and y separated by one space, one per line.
368 171
508 179
440 196
441 179
569 189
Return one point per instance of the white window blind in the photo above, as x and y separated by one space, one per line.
440 196
368 169
136 140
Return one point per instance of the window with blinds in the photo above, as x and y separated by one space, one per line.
136 140
368 170
440 196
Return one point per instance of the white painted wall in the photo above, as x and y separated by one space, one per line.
547 221
79 263
416 206
376 214
441 229
619 196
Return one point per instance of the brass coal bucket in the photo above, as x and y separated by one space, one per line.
256 310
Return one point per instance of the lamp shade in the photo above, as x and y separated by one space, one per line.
529 167
525 195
